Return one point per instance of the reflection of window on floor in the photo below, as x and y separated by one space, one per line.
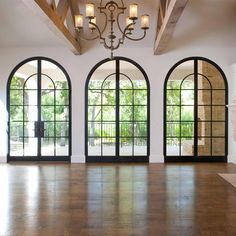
195 99
117 111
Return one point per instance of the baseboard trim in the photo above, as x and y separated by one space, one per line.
156 159
77 159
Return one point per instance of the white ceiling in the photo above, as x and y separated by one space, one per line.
206 21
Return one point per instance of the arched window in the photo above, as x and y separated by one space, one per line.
117 112
39 108
195 112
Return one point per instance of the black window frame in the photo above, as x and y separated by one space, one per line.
41 157
195 157
117 158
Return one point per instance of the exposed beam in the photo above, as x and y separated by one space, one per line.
54 21
165 29
62 9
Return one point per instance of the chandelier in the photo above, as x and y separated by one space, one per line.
111 11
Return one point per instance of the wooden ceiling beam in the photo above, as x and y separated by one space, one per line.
53 20
62 9
165 29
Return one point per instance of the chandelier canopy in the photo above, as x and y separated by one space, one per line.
111 11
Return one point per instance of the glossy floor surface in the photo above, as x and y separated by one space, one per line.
78 199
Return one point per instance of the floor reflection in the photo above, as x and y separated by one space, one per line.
79 199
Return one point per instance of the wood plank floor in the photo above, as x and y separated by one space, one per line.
111 199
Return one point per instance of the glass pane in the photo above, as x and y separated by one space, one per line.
47 97
108 97
126 129
126 113
126 97
48 113
203 82
30 97
108 113
62 97
140 129
140 113
172 147
173 97
173 129
47 146
140 146
16 113
187 113
16 97
31 113
204 129
204 97
94 146
172 113
31 146
187 129
188 83
218 97
108 146
187 97
62 146
108 129
47 82
49 129
218 146
16 146
218 113
62 129
94 113
62 113
204 147
187 146
31 83
140 97
94 129
126 146
125 83
94 97
218 129
204 113
29 129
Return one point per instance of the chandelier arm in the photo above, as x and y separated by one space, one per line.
118 22
89 39
105 26
136 39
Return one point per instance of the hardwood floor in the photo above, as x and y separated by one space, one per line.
105 199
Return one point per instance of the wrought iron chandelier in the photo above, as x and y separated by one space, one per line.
112 11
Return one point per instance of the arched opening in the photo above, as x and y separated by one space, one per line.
117 112
195 112
39 109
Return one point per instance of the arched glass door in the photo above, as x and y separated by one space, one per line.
117 112
39 111
195 112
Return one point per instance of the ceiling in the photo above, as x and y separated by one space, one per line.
201 21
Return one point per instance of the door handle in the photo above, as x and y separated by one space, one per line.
41 130
36 129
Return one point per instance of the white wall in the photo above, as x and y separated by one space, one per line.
78 68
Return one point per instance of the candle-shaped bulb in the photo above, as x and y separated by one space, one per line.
145 22
90 10
79 21
133 11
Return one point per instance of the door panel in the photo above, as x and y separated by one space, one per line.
117 126
39 99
